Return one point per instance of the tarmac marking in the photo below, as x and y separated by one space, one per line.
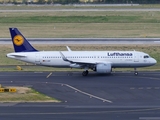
38 72
156 88
140 88
49 75
149 118
88 112
149 88
132 88
90 95
152 78
85 93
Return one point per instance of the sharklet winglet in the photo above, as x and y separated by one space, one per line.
68 48
63 57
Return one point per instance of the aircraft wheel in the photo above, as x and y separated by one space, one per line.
85 73
135 73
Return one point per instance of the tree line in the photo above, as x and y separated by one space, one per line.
109 1
87 1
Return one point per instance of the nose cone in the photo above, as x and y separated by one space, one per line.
154 61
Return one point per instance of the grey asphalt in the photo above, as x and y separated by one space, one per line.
87 40
87 10
119 96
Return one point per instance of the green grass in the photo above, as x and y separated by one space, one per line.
77 19
80 17
83 30
82 24
24 7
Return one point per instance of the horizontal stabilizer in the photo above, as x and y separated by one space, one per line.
15 55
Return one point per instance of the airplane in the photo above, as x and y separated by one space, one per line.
98 61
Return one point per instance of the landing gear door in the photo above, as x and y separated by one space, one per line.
37 58
136 57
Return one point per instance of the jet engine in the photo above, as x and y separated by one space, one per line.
103 68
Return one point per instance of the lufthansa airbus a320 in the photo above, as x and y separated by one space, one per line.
98 61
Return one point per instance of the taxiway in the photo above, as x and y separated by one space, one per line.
120 95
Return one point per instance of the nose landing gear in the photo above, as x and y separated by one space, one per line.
135 72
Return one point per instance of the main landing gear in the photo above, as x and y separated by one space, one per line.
135 72
85 73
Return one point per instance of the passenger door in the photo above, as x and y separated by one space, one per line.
37 58
136 57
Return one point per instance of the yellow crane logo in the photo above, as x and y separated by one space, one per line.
18 40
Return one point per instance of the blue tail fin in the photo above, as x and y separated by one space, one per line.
19 42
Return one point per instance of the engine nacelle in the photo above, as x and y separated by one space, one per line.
75 66
103 68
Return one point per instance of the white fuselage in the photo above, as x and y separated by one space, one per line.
116 58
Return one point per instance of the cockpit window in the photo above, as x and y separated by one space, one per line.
146 56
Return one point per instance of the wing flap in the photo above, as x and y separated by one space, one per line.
84 62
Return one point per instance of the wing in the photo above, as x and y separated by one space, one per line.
82 62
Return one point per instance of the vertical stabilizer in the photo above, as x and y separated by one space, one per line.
20 43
